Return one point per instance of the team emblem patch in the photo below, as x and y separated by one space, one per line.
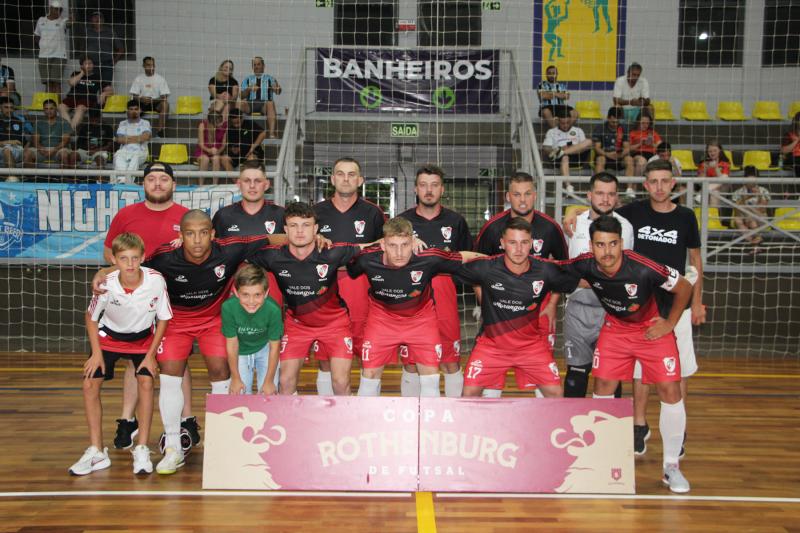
438 349
669 364
153 302
359 225
553 368
631 288
457 347
269 225
616 474
348 342
322 270
416 275
537 245
219 271
538 285
447 232
403 351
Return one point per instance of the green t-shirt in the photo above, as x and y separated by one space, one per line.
254 330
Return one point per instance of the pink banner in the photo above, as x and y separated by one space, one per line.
410 444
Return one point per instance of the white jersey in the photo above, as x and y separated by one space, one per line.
625 92
154 86
127 128
134 312
52 37
556 137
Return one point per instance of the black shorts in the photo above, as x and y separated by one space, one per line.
151 107
111 358
646 155
615 164
554 109
581 158
237 160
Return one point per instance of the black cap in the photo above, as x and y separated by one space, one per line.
160 167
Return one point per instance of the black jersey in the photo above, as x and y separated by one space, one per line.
362 223
630 294
511 302
405 290
309 286
197 291
548 239
233 221
447 231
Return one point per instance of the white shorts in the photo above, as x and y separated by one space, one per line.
683 335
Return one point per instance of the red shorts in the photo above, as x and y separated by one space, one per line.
488 364
355 293
620 345
385 333
444 293
176 345
331 340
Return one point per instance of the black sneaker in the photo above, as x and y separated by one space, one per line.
193 428
683 447
126 432
640 436
186 442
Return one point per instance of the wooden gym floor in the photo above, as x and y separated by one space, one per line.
743 460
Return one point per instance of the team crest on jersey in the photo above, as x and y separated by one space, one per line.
322 270
416 275
360 225
447 232
269 225
414 293
553 368
438 349
153 302
403 351
457 347
633 308
631 288
537 245
219 271
537 285
669 364
348 342
616 474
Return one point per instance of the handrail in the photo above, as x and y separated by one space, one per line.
286 155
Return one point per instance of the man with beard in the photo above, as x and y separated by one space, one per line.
438 227
157 221
583 314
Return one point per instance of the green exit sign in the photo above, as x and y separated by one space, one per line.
323 3
490 6
487 172
405 129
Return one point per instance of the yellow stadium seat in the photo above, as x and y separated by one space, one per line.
732 111
39 98
686 159
794 108
792 220
729 155
767 110
174 154
760 159
714 222
694 110
189 105
663 110
116 103
589 109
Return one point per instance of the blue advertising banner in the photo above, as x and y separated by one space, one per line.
63 223
424 81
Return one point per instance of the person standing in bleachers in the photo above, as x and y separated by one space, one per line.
104 47
151 91
50 36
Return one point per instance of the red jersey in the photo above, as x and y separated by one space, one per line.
154 227
649 139
709 172
788 139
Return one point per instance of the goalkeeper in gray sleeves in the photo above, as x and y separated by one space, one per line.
583 316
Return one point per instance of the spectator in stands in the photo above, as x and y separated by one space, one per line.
790 147
132 136
103 46
632 92
664 151
151 91
754 198
50 36
644 140
211 144
85 92
12 136
8 85
612 147
566 143
552 93
95 140
50 139
244 139
715 165
258 91
223 88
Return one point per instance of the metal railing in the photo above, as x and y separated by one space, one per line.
293 133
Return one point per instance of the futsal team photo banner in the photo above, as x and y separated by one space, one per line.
375 80
256 442
63 223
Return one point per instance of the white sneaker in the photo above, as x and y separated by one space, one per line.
630 193
172 461
674 479
141 460
91 460
557 154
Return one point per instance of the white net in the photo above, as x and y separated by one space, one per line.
399 83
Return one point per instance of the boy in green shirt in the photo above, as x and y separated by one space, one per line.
252 326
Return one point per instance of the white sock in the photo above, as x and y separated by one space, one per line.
492 393
672 424
221 387
429 386
170 403
409 384
538 393
324 383
369 387
454 384
602 397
